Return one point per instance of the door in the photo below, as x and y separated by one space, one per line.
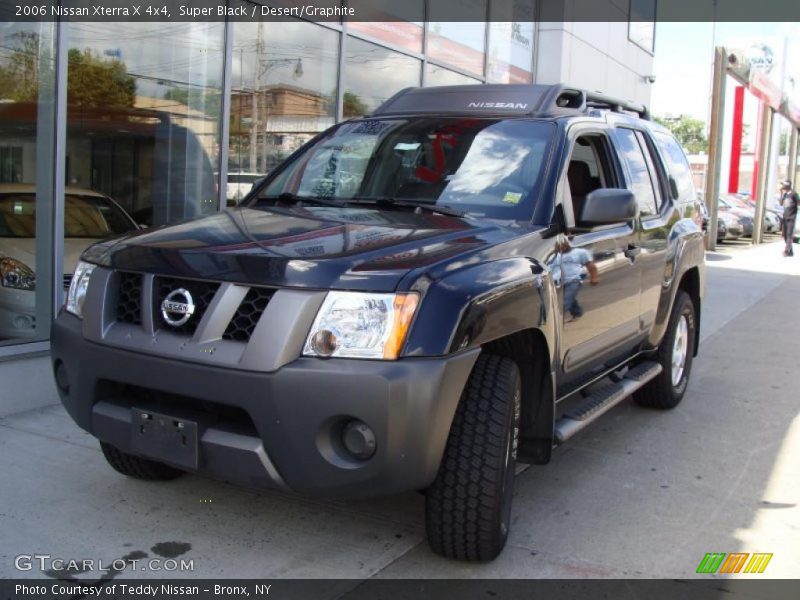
647 181
599 275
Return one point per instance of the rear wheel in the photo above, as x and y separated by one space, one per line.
675 355
137 467
468 507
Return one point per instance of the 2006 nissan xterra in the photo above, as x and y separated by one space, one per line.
414 300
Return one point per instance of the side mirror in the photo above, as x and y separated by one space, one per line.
607 206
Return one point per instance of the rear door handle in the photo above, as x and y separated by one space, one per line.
633 251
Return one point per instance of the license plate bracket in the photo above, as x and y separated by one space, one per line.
165 438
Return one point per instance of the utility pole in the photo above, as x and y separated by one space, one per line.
255 112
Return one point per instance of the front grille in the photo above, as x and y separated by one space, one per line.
67 281
202 293
247 315
129 303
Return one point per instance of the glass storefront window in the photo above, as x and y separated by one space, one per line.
642 24
404 30
143 116
283 93
372 74
461 45
436 75
510 57
27 82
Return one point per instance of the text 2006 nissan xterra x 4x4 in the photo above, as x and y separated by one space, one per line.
414 300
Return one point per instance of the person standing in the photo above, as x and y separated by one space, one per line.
789 201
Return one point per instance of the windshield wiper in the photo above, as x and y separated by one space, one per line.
300 200
418 207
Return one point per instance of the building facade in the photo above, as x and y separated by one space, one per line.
161 122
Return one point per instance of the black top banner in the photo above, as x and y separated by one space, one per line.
397 10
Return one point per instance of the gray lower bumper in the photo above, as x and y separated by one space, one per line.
292 413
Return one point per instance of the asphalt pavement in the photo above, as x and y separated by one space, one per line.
640 493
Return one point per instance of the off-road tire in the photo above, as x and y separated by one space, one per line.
660 392
468 507
139 468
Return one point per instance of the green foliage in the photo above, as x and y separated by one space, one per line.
690 132
92 81
19 74
353 106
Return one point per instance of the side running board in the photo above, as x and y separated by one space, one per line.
602 400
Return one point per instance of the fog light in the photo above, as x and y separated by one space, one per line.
62 379
359 439
324 343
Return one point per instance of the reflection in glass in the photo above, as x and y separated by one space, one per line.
143 115
373 74
284 93
27 76
462 44
486 167
436 75
395 23
510 52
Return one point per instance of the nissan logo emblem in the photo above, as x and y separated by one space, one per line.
178 307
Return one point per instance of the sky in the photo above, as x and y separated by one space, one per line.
684 59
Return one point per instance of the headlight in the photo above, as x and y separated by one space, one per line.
361 325
17 275
77 288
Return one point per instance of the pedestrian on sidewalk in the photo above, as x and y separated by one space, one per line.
789 200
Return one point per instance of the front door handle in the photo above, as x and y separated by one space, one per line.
632 251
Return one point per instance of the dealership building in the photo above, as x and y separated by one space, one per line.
104 125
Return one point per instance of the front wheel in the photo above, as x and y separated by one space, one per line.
675 355
468 507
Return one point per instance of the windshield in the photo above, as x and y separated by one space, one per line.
84 217
485 167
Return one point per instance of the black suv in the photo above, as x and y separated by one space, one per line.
414 300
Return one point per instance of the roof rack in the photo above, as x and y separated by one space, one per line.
504 99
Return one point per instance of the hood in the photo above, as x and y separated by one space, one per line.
310 247
24 250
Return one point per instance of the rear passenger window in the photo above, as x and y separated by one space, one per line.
641 182
677 164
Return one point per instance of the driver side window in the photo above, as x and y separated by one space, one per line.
589 169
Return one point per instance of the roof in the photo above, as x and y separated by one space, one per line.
500 99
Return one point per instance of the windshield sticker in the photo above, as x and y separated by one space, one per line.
372 127
512 197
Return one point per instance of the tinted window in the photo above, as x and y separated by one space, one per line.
486 167
85 217
640 184
678 165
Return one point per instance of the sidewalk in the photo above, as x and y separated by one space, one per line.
640 493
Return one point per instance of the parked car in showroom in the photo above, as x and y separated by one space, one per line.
400 306
88 218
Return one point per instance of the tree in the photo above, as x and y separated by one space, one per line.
92 81
690 132
19 75
353 106
98 83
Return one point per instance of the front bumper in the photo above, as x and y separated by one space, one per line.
276 429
